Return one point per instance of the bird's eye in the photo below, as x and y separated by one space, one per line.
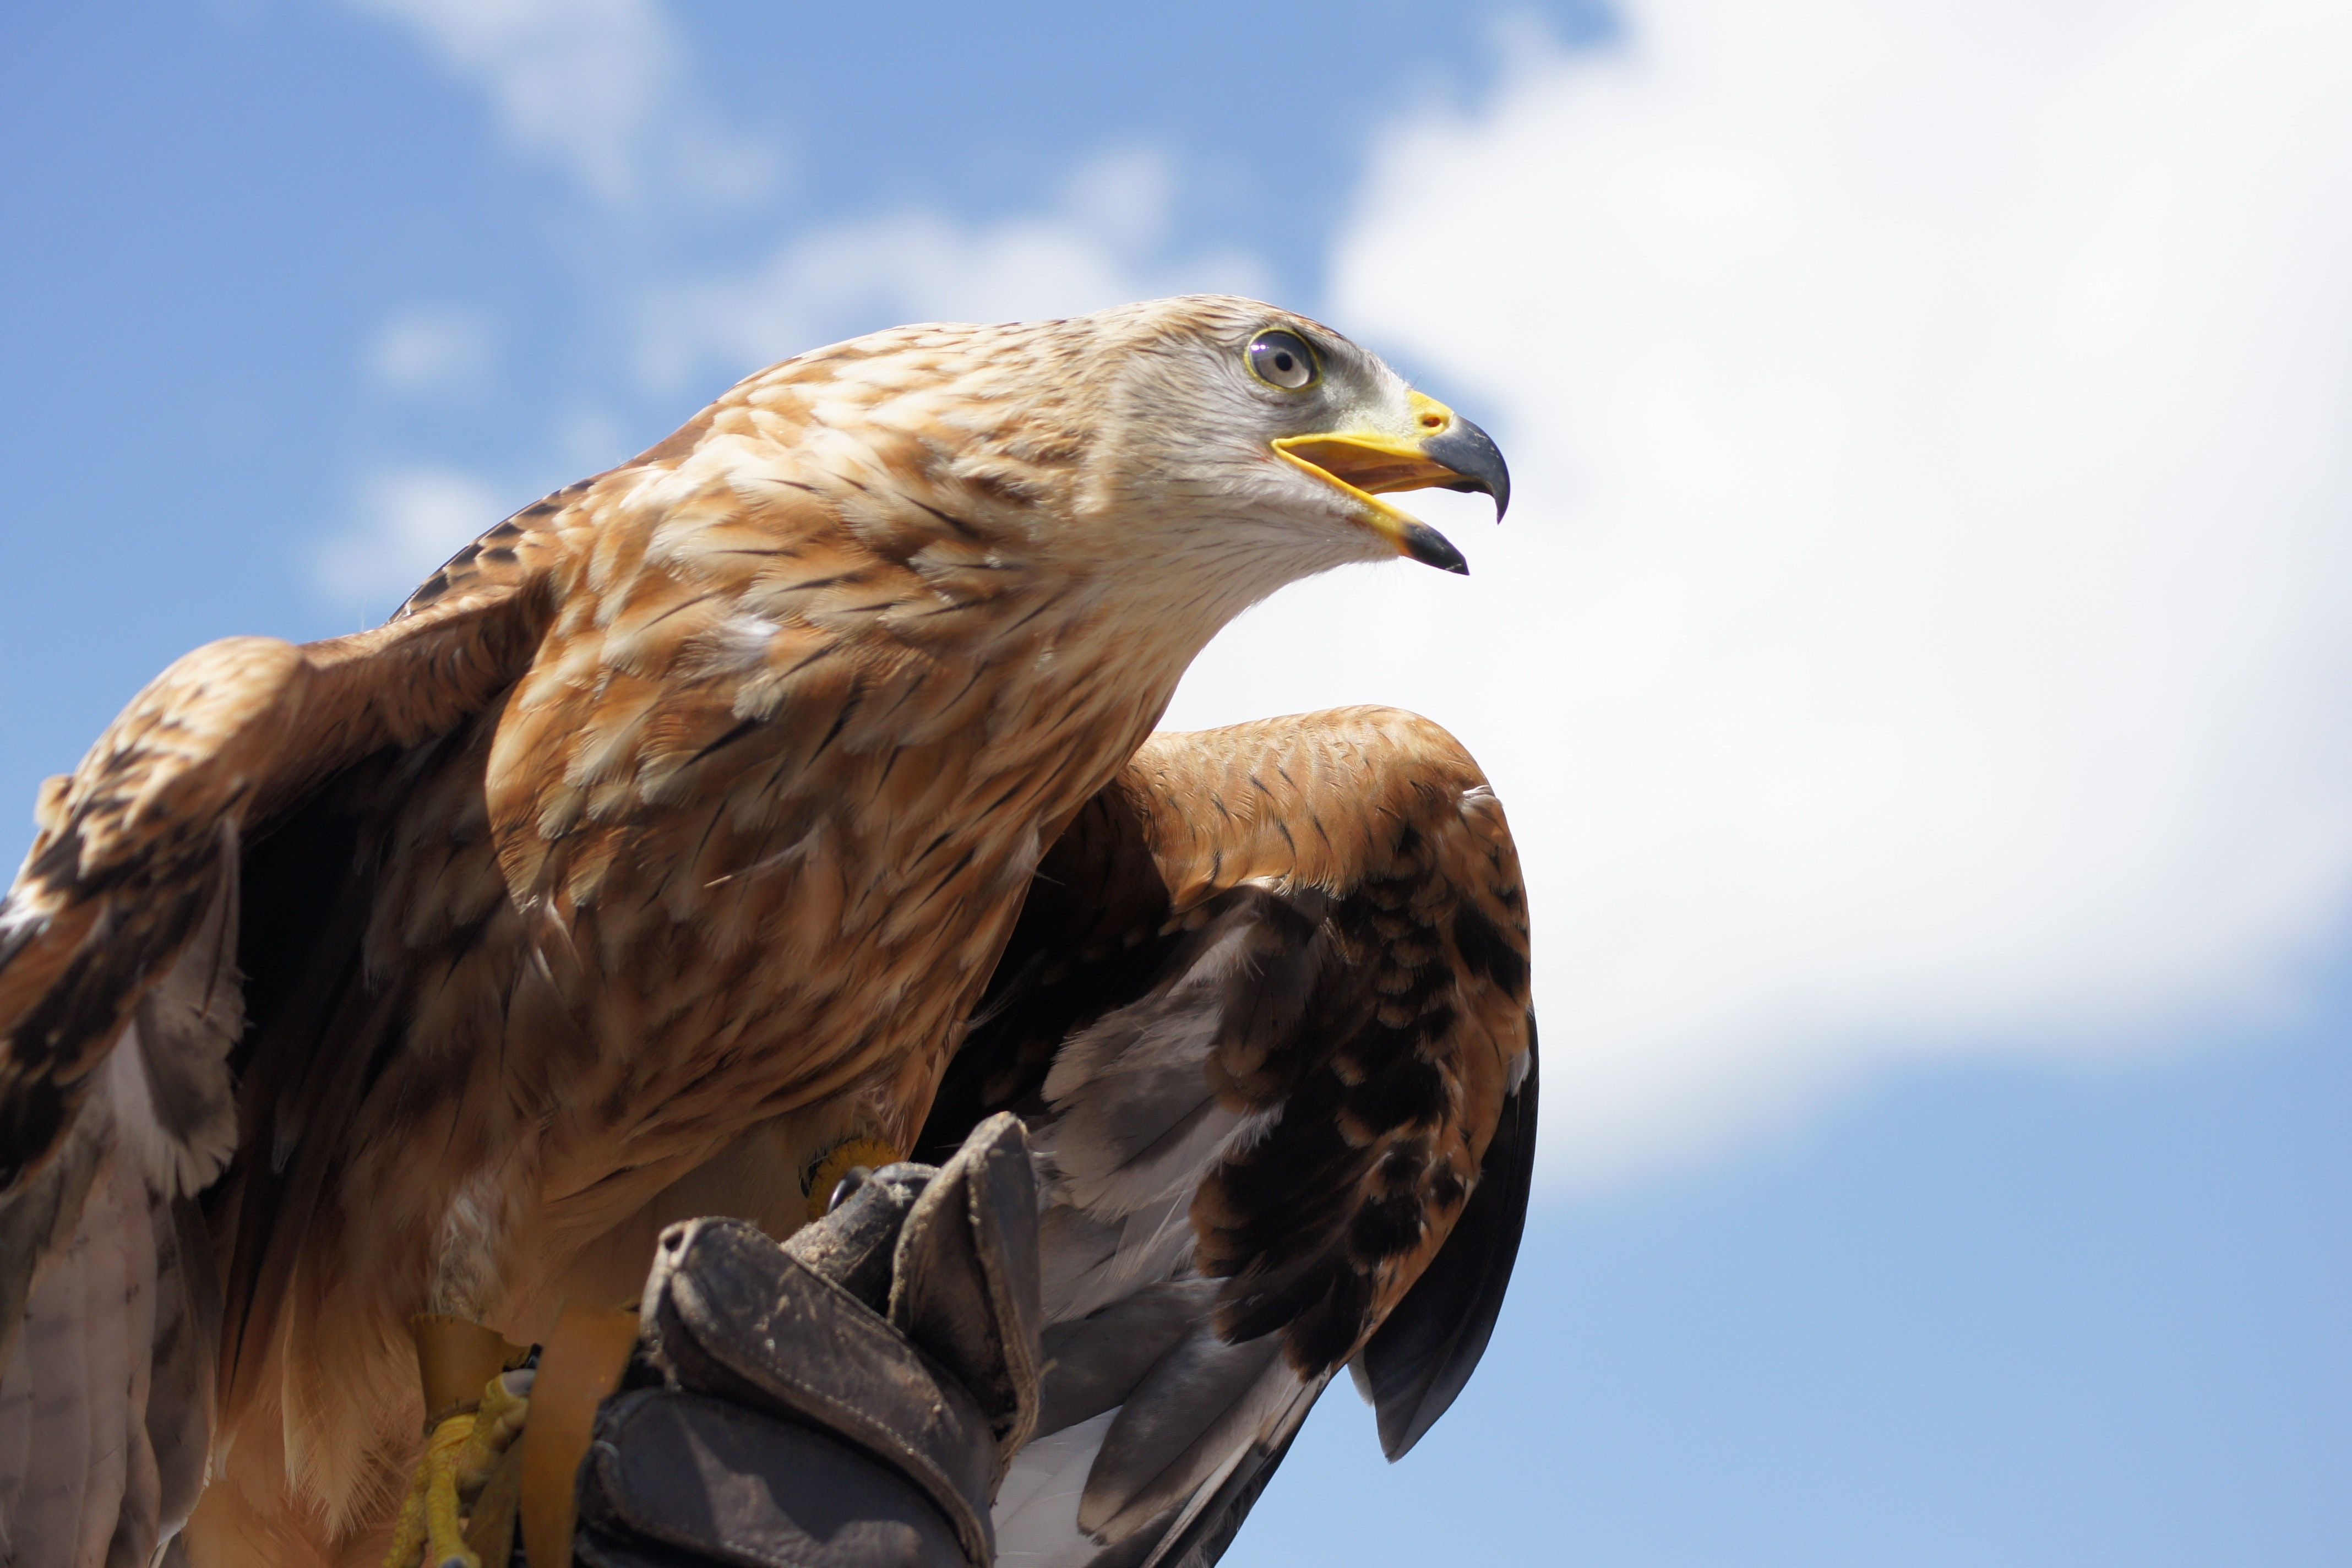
1284 360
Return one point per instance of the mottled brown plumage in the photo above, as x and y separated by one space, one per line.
669 836
1267 1013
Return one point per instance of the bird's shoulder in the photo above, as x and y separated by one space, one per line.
787 591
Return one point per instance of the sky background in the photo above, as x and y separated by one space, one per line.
1916 663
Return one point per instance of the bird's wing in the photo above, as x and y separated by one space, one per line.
121 1008
1267 1012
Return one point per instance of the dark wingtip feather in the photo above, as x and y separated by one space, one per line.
1424 1354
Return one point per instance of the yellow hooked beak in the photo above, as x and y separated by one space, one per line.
1442 449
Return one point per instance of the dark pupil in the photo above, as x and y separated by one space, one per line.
1282 361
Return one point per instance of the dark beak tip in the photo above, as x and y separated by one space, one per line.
1501 497
1431 548
1472 453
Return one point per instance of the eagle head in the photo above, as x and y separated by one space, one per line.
1263 440
1213 447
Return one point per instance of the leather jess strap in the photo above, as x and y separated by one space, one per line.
579 1368
454 1358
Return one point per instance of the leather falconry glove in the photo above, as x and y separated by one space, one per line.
848 1399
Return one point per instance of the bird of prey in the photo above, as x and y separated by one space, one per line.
782 798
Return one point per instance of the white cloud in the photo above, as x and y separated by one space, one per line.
430 349
1928 621
595 86
1101 244
410 522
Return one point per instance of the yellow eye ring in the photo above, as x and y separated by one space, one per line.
1283 361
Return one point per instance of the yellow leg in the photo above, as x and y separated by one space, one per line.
408 1533
459 1454
445 1528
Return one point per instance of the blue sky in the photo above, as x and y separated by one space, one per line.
1915 665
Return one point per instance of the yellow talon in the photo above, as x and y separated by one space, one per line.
826 1175
459 1454
506 1402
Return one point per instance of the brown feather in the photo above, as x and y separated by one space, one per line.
1315 927
669 833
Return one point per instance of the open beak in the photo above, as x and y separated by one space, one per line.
1441 451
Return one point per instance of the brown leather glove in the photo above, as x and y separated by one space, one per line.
849 1399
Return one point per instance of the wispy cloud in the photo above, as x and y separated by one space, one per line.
1103 242
1928 623
430 350
595 86
409 521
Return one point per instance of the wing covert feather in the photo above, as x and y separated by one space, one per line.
131 848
